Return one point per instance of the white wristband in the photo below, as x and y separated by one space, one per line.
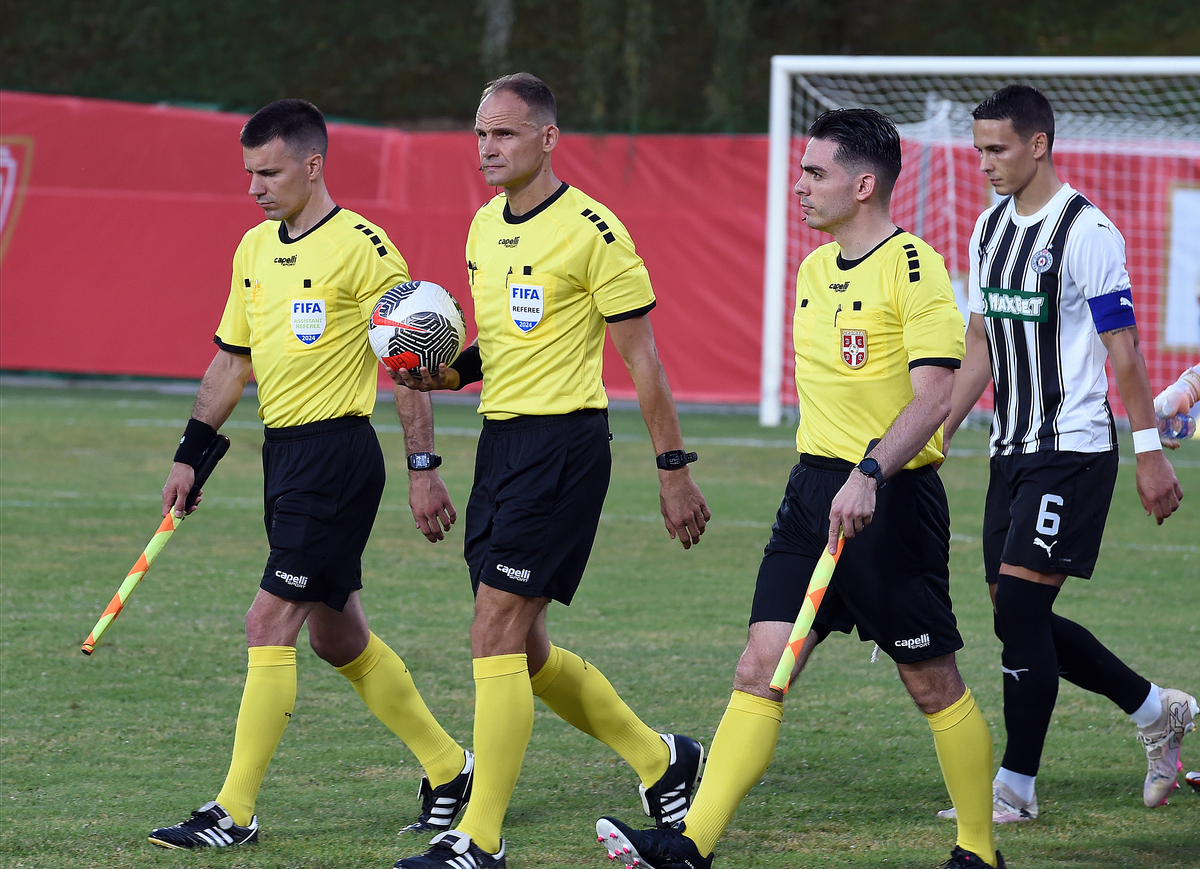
1146 440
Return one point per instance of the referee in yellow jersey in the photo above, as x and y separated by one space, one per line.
551 270
878 338
304 284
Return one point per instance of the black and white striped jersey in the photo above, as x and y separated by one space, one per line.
1047 285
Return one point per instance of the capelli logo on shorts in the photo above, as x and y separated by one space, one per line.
920 642
513 573
297 581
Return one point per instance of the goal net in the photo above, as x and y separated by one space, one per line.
1127 136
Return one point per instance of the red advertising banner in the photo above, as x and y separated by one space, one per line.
123 218
121 221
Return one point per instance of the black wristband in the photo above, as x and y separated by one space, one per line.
197 438
469 366
424 461
673 460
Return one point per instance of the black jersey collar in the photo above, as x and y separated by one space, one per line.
509 217
847 264
285 239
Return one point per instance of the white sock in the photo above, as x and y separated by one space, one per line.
1021 785
1150 710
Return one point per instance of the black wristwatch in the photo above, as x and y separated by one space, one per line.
871 468
673 460
424 461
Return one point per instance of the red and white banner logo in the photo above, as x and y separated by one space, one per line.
16 155
854 347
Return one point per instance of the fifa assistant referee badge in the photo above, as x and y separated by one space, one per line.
870 468
673 460
424 461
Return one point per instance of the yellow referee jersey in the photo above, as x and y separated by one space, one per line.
860 326
300 307
543 285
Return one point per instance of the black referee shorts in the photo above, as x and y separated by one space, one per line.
540 483
322 482
893 579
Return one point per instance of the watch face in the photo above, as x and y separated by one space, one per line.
418 462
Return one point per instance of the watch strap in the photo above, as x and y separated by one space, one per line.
424 461
673 460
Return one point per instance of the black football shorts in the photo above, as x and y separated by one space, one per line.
892 581
323 482
1046 511
540 483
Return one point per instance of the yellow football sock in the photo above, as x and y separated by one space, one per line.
267 703
579 694
385 685
964 751
741 752
503 723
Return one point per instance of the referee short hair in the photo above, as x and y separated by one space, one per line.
1025 107
298 122
865 139
530 90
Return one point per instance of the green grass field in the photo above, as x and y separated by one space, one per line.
97 751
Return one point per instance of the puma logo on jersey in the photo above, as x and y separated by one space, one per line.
1037 541
1127 302
1016 674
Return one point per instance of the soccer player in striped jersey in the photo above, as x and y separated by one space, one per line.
1050 300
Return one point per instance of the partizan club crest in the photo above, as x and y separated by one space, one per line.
1042 261
854 347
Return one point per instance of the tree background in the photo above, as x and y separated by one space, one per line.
615 65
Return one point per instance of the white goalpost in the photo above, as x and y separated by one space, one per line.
1127 137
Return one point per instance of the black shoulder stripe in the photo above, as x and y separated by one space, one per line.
914 263
601 226
372 236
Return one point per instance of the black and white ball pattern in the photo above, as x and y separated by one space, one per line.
417 324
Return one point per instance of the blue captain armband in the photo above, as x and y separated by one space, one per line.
1112 310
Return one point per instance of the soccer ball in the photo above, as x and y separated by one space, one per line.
417 324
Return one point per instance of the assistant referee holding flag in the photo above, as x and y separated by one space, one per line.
878 339
304 284
551 270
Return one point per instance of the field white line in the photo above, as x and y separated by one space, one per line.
752 443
